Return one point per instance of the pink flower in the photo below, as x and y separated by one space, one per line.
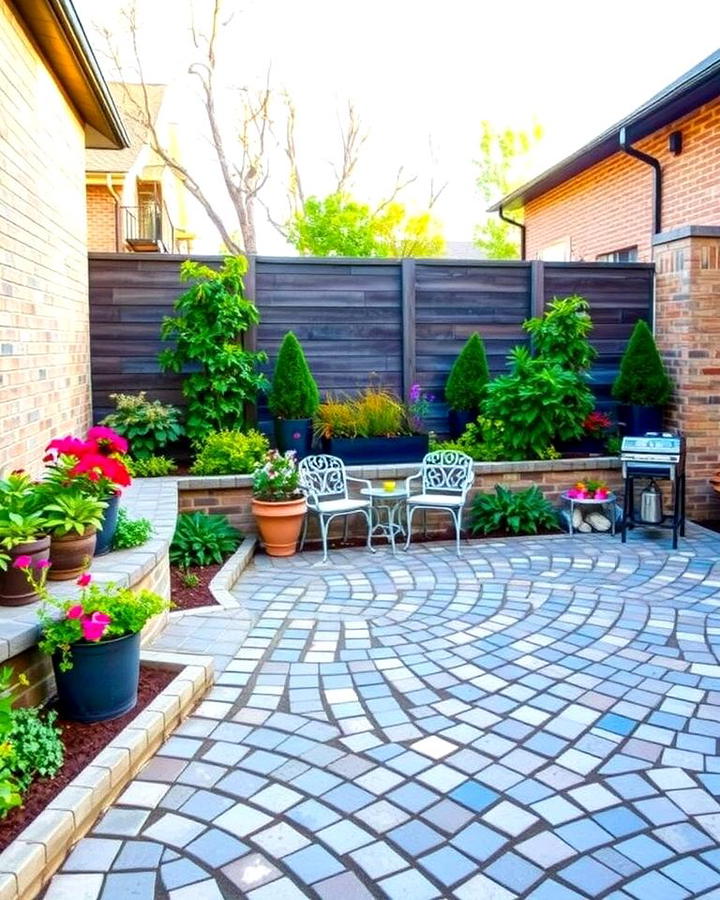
84 579
75 612
100 618
109 440
22 562
43 564
69 446
95 627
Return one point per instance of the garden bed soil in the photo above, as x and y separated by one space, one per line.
82 744
184 597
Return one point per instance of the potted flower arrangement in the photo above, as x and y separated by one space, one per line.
465 386
597 428
23 532
278 504
373 427
589 490
293 398
94 642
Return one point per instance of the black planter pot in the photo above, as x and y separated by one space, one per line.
109 524
294 434
587 446
458 420
374 451
103 681
638 420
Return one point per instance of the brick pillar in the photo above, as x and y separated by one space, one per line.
687 324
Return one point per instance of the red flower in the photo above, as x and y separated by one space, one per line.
95 465
107 440
84 579
70 446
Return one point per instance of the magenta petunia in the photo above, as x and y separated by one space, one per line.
75 612
93 631
22 562
84 579
43 564
100 618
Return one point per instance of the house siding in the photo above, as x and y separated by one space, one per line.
609 206
102 222
44 344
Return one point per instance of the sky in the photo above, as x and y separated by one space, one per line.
424 75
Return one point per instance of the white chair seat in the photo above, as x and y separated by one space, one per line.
344 505
436 500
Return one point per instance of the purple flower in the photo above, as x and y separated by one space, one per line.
414 394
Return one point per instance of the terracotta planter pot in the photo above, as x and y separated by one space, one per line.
70 554
279 524
15 589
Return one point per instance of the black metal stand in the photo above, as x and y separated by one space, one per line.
675 520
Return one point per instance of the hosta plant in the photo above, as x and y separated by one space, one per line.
517 512
201 540
147 425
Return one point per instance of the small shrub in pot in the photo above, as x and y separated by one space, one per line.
293 398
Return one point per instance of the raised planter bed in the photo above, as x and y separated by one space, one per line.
377 450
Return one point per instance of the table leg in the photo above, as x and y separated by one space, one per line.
391 524
572 516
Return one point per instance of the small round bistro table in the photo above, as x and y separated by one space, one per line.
393 503
580 501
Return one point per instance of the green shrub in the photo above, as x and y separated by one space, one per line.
230 453
37 750
560 335
519 512
642 380
10 790
131 532
468 376
147 425
151 467
201 540
294 393
538 403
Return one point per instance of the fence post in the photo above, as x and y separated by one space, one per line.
537 288
407 281
250 336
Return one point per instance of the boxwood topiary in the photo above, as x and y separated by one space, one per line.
294 393
466 382
642 380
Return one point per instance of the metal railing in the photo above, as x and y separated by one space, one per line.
149 223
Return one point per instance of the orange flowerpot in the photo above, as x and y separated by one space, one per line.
71 554
279 524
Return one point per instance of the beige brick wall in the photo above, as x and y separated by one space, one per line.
101 219
44 344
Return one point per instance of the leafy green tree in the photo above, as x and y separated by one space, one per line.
207 329
402 235
468 377
642 380
501 155
294 393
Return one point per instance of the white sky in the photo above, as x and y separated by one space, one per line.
417 69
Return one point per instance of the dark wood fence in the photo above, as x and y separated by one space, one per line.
404 321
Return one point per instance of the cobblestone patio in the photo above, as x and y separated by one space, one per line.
538 719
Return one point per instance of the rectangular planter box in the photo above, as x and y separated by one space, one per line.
376 450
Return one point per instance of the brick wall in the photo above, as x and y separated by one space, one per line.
101 219
688 334
44 344
609 206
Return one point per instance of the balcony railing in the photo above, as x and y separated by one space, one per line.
148 227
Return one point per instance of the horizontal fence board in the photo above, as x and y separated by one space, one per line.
348 315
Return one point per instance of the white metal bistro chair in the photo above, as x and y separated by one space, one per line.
324 482
447 476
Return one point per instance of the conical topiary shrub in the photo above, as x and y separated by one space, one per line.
293 398
642 380
466 382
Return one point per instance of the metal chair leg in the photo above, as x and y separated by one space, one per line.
410 513
324 526
368 517
456 514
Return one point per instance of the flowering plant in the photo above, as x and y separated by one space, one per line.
94 466
278 479
102 612
597 424
418 406
589 490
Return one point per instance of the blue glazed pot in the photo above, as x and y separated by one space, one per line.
109 523
294 434
103 681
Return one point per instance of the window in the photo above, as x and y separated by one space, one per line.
557 252
627 254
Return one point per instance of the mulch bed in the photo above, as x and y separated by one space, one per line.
82 743
184 597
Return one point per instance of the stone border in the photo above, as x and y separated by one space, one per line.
30 861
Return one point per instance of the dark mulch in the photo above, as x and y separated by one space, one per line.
185 597
82 744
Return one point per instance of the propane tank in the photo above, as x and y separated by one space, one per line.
651 504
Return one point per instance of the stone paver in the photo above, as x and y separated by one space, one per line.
537 719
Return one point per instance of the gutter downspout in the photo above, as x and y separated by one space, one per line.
519 225
657 178
118 221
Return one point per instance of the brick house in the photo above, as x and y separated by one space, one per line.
53 105
648 189
134 201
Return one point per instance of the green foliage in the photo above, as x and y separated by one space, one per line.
519 512
338 226
294 393
207 329
538 404
561 334
374 412
147 425
73 511
502 155
38 751
278 480
21 517
642 380
189 579
230 453
10 790
465 386
151 467
613 445
201 540
131 532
